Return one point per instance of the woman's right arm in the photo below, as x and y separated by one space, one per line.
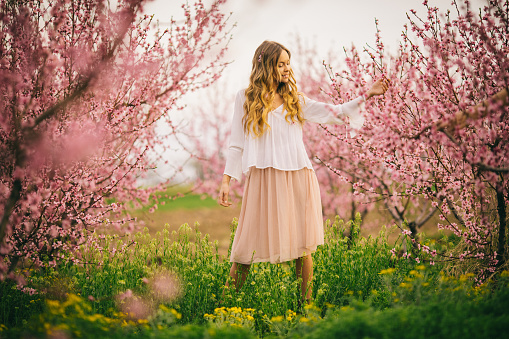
224 192
233 167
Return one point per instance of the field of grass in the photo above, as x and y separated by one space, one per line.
171 284
191 209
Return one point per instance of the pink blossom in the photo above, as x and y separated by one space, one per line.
165 286
127 294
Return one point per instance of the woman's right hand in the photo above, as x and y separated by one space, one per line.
224 192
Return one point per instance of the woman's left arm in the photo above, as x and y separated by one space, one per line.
323 113
378 88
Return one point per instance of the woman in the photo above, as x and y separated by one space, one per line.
281 214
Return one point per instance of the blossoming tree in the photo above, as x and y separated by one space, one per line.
438 140
82 88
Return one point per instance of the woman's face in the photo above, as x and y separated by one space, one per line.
283 67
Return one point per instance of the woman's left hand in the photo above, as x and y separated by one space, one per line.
378 88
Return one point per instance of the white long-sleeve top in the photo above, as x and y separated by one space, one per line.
281 146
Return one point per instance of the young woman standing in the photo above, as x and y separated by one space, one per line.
281 214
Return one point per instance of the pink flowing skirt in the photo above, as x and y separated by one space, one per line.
280 218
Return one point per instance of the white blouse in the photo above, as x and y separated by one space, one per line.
281 146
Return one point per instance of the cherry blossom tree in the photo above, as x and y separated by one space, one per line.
83 87
438 139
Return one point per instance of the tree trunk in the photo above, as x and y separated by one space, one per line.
9 207
502 216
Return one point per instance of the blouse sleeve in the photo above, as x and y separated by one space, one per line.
233 166
323 113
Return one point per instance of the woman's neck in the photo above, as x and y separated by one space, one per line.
275 86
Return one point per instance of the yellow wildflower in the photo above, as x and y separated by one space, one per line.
164 308
176 314
312 307
277 319
95 317
389 270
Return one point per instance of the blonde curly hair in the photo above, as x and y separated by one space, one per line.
260 93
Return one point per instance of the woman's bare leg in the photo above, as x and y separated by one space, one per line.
238 273
304 271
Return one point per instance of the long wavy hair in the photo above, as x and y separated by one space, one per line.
260 93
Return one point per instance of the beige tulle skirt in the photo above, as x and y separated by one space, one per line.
280 218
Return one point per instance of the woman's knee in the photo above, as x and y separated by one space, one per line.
244 267
240 267
305 258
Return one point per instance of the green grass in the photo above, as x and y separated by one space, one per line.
173 198
449 317
190 201
360 290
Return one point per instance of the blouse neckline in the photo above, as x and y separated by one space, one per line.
278 107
